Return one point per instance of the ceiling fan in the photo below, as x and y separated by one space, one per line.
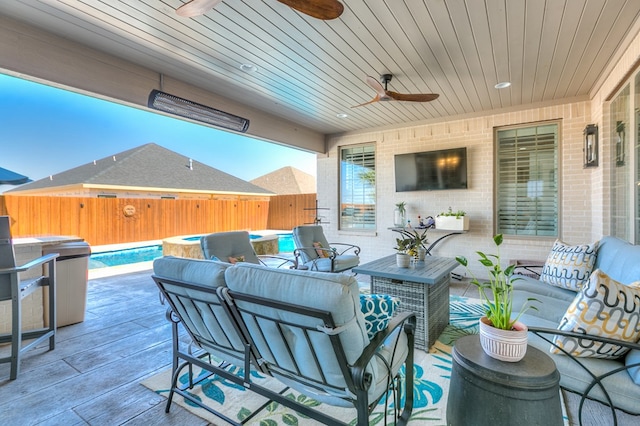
320 9
387 95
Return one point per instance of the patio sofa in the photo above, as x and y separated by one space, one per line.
601 372
307 329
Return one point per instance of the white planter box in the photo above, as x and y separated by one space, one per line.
452 223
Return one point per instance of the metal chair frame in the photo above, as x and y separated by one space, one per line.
247 358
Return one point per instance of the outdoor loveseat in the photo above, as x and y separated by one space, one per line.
606 369
304 328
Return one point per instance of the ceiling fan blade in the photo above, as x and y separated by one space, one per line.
417 97
376 99
196 8
320 9
376 85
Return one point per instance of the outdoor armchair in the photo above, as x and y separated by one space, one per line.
315 253
303 328
235 246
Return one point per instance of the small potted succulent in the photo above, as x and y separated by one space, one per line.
502 336
403 258
453 220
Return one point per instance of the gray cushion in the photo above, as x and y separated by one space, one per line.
619 259
623 391
227 245
335 293
191 270
209 323
340 263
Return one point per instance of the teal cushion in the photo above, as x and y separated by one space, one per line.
378 309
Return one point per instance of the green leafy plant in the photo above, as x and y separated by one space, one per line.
416 240
458 214
499 306
401 206
403 245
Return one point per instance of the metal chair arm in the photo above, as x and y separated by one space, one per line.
404 319
35 262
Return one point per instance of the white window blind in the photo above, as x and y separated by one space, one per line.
527 181
358 187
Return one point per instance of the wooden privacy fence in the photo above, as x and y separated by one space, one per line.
120 220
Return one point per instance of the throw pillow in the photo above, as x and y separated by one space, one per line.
235 259
604 308
378 309
319 251
569 266
633 357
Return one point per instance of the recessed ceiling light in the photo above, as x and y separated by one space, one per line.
503 85
342 115
248 68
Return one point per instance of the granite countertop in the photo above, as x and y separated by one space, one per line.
45 240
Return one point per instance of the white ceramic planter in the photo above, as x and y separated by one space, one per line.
452 223
505 345
403 260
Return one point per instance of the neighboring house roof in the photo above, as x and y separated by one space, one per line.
287 180
148 166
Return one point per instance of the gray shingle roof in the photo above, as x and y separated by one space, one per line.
287 180
149 166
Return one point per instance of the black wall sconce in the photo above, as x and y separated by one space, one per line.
620 148
591 145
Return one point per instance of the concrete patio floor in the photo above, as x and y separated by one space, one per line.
93 376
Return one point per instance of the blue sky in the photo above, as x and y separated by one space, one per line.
45 130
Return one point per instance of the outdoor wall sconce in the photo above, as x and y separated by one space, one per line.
620 143
591 146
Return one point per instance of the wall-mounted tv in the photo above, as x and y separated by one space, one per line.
431 170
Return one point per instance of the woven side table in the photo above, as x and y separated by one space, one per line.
422 289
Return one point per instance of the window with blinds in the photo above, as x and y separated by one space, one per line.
527 180
358 187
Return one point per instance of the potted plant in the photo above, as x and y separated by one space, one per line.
453 220
502 336
403 259
399 214
417 242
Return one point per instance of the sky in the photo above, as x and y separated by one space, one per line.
45 130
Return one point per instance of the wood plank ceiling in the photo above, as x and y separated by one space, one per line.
308 70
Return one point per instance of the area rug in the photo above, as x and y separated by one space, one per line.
431 385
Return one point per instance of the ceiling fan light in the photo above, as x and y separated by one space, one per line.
503 85
342 115
184 108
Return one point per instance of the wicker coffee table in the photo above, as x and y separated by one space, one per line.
423 289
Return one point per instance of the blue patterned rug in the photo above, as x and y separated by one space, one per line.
431 384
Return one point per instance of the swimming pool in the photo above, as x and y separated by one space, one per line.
148 253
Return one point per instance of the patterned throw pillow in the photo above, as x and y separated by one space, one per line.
605 308
319 251
569 266
378 309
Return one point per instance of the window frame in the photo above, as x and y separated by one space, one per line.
341 192
558 182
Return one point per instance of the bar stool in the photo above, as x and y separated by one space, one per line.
14 289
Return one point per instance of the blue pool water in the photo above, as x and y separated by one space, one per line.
149 253
124 257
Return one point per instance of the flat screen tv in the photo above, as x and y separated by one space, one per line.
431 170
